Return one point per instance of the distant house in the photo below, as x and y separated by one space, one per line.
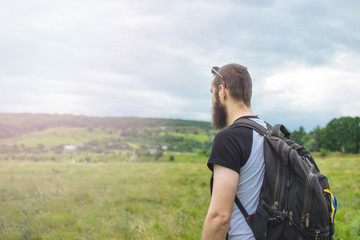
153 151
70 148
74 147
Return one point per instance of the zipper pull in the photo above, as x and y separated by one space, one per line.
291 214
307 220
275 206
317 234
306 158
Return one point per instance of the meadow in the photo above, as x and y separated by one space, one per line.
118 199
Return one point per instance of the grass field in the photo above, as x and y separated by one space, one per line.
138 200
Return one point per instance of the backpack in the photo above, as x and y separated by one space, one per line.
295 199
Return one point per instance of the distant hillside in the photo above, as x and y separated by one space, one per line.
45 133
12 125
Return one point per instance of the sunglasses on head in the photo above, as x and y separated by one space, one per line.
214 70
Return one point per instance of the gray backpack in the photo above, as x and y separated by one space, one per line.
295 199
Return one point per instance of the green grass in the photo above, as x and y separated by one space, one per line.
102 200
192 136
138 200
343 172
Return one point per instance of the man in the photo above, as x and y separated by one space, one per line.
236 159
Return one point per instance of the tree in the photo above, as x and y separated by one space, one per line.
342 135
313 141
298 136
317 135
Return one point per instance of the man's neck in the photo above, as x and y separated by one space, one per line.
236 112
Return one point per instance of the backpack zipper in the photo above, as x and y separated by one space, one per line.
278 171
310 200
291 214
285 178
306 158
292 190
306 218
272 209
319 233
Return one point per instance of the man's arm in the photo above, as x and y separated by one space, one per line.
222 200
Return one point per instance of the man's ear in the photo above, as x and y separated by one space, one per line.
222 91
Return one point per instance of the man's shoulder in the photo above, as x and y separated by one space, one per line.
234 131
231 147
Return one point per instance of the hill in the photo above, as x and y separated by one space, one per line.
17 124
45 133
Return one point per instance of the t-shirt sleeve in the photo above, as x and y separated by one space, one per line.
231 149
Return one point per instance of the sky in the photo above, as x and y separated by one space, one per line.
153 58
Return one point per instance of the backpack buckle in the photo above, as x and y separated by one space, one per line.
278 219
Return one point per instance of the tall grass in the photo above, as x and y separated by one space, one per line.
343 172
141 200
102 201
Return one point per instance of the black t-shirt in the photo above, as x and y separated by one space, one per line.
231 147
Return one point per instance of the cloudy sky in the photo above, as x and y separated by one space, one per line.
153 58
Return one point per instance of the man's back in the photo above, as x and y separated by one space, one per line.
241 149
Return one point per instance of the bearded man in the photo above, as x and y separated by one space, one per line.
237 157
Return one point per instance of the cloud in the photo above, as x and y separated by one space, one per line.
313 88
153 58
306 92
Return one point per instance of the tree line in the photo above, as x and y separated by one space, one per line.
339 135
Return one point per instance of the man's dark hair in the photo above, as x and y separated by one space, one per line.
237 81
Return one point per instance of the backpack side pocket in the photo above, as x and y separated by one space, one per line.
268 223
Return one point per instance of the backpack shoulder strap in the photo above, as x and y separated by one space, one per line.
244 213
253 125
263 131
275 131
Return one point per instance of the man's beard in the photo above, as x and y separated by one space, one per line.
219 115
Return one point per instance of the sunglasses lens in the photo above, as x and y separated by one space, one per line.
214 70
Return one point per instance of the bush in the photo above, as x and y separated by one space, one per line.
323 152
205 152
